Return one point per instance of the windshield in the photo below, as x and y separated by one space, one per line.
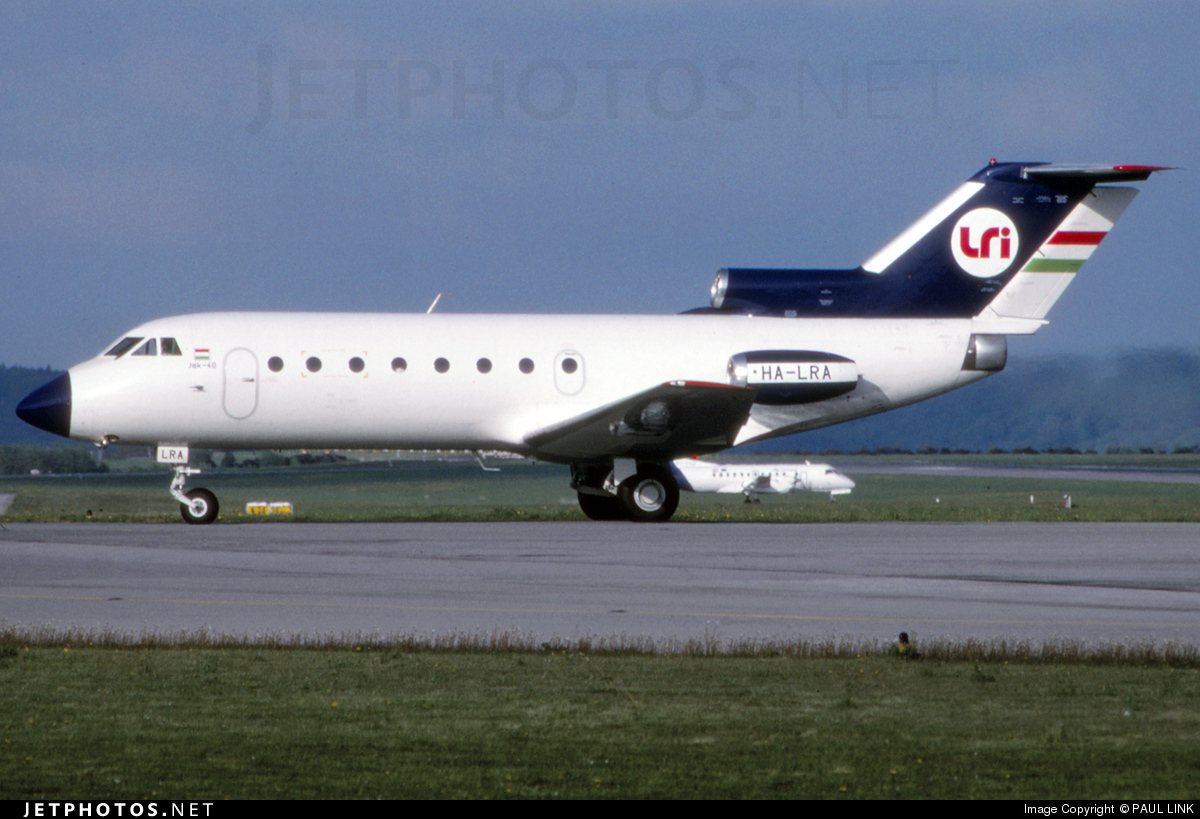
123 346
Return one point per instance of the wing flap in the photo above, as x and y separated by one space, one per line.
672 420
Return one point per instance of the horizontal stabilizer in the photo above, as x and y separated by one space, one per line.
1093 174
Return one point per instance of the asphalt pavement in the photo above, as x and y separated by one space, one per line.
1093 583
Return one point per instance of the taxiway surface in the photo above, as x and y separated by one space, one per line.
1094 583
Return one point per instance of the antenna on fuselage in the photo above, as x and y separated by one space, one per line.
436 299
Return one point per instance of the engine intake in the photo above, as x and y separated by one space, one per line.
986 353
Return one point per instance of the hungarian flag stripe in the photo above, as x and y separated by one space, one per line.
1077 237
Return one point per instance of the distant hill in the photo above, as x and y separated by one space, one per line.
1136 399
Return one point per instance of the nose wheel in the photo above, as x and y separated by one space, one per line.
197 506
201 507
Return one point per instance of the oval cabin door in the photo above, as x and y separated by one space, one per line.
241 383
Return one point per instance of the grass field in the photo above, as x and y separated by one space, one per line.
354 722
417 490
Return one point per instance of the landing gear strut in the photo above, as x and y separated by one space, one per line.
596 492
198 505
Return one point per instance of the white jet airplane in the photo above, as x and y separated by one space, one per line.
617 398
753 480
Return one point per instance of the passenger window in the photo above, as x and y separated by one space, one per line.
357 365
149 348
275 363
483 365
313 364
123 346
441 365
399 365
526 365
169 347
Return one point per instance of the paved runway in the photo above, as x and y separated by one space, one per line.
1090 582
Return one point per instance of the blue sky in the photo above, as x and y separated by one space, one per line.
558 157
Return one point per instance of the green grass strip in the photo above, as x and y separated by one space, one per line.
525 492
362 722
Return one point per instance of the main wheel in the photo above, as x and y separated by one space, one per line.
202 509
650 495
601 507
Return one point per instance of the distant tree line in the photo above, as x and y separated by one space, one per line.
23 459
264 459
59 459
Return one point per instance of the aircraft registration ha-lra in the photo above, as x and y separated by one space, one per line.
617 398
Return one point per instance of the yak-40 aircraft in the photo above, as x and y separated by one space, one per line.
616 398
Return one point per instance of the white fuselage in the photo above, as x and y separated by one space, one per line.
457 381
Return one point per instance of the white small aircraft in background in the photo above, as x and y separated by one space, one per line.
753 480
615 398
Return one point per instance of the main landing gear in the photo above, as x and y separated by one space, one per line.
649 495
198 505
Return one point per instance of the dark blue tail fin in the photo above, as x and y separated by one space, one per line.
1005 244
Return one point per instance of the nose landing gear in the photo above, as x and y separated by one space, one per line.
197 506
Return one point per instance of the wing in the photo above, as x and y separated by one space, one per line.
761 483
672 420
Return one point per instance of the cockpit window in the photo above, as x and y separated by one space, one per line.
169 347
123 346
149 348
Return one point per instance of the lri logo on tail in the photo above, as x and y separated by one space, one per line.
995 241
615 398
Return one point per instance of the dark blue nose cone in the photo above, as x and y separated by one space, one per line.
49 407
